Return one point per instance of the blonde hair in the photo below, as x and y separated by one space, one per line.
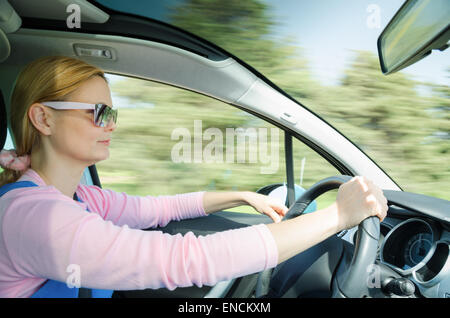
49 78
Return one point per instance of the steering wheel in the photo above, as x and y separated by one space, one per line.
353 272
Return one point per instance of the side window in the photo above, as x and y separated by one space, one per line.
169 140
309 167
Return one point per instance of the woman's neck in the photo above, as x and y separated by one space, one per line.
63 176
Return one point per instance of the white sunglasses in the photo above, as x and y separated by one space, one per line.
103 114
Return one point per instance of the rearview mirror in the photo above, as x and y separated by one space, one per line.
418 27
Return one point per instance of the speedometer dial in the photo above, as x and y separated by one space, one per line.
408 244
416 249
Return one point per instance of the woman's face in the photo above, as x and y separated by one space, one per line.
74 133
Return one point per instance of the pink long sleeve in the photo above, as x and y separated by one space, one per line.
43 232
141 212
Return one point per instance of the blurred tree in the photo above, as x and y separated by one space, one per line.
380 102
241 27
245 29
386 116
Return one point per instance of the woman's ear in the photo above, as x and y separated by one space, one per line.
41 118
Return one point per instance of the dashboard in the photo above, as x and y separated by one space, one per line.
418 249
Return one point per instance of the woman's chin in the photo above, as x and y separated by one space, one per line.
100 157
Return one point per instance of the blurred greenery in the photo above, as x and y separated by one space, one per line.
141 160
406 132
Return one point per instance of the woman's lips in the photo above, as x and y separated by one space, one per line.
105 142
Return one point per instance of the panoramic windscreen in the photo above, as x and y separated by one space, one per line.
326 57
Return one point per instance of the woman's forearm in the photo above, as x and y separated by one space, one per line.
356 200
298 234
291 236
218 201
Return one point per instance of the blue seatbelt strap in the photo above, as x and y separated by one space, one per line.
53 288
19 184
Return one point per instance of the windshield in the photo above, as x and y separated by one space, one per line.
324 55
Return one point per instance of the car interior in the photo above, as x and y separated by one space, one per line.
409 249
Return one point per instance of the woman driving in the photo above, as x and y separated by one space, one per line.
58 235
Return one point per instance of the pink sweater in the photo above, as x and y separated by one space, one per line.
43 232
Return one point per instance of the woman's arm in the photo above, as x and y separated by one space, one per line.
356 200
45 236
149 211
142 212
218 201
292 236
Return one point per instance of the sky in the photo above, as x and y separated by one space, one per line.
329 31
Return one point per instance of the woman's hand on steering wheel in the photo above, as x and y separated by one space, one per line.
357 200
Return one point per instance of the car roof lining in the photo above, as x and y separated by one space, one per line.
137 58
58 10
